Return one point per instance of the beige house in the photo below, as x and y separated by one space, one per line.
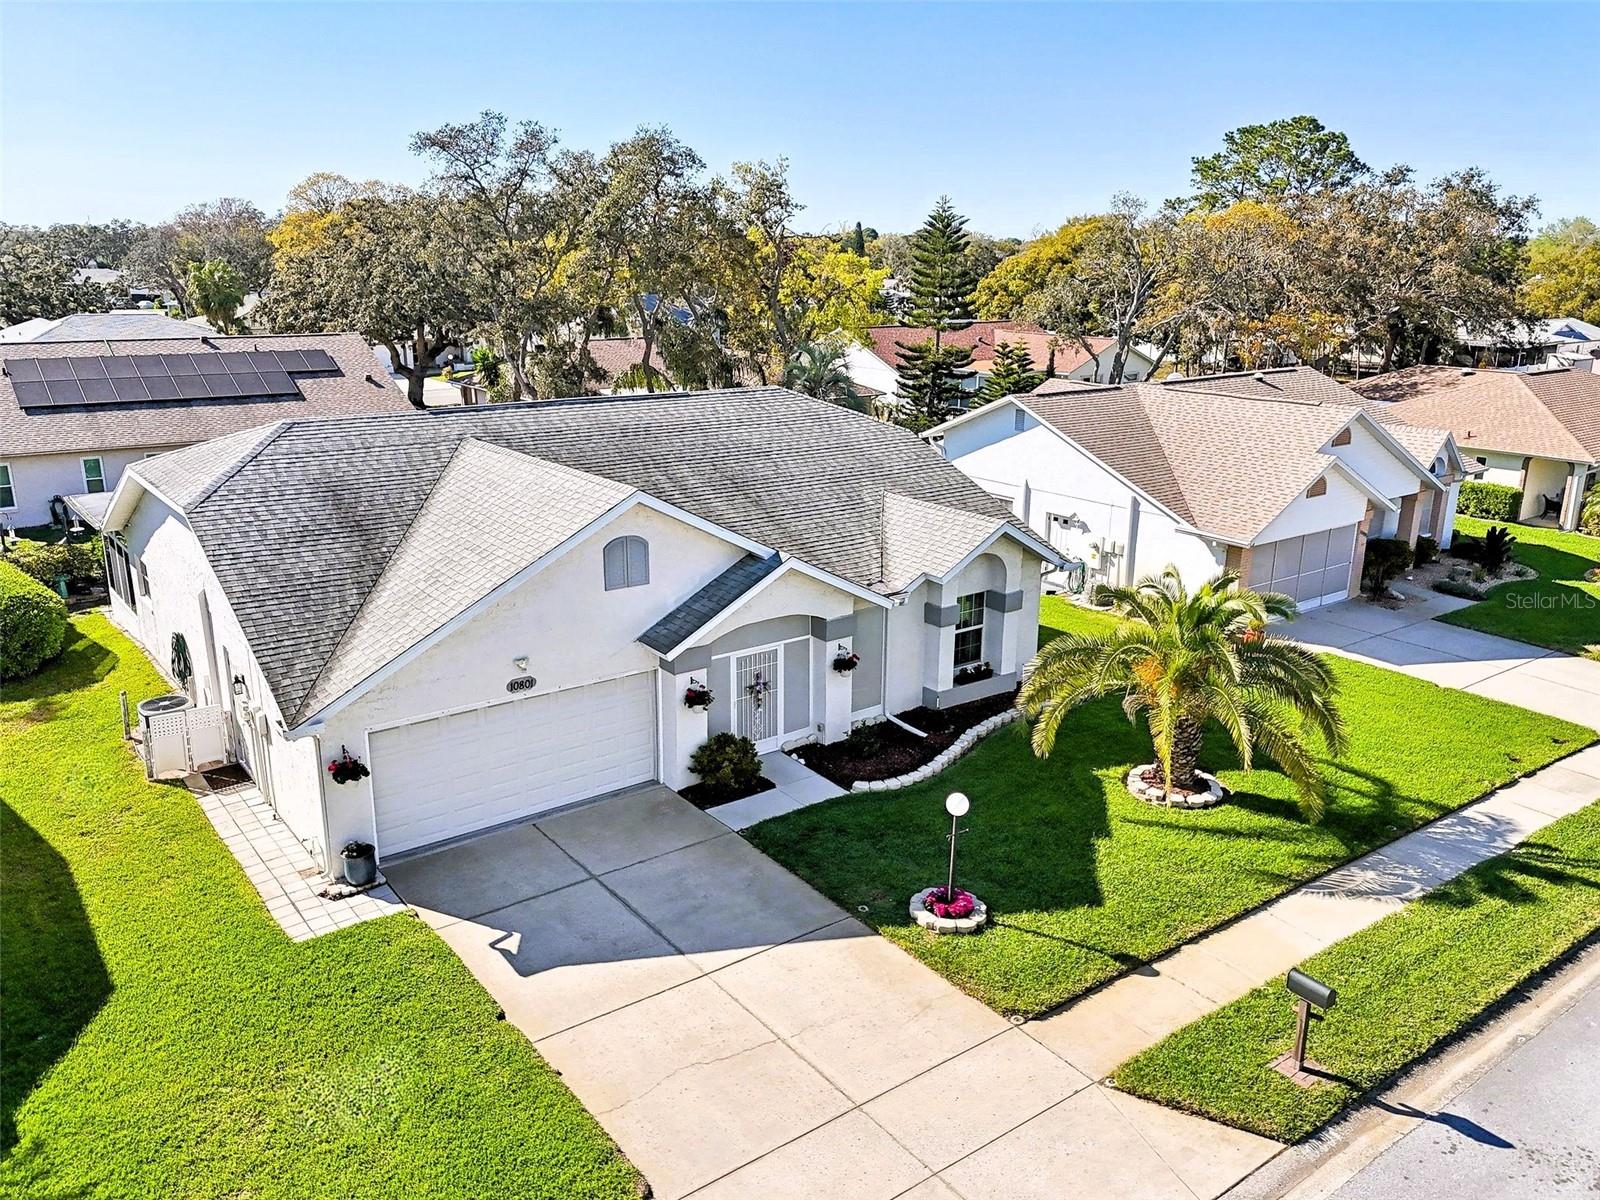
1536 430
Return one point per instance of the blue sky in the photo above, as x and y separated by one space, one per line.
1025 114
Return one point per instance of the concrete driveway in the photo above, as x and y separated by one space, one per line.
741 1036
1408 639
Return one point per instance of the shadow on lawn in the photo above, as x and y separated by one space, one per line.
52 978
83 663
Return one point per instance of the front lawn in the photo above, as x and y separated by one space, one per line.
164 1038
1404 985
1558 609
1085 882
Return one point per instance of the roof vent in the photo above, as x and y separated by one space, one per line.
1468 371
1261 375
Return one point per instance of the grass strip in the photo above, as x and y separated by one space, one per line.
1405 984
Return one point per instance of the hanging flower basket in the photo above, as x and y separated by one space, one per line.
757 690
347 768
846 661
697 696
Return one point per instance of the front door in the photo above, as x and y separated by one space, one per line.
758 697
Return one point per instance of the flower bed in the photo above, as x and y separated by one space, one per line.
886 751
703 797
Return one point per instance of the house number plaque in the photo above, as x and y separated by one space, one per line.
522 683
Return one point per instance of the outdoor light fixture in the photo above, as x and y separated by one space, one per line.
956 804
239 688
520 662
1309 992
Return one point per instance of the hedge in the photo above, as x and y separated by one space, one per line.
1490 501
81 562
33 623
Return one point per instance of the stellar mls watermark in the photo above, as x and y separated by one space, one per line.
1548 602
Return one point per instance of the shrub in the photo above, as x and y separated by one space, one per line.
1427 551
1466 546
81 562
1386 558
727 764
1589 519
33 623
1458 587
1496 549
1491 501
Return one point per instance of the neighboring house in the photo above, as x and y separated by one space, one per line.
1537 431
111 279
876 366
74 414
119 325
1535 344
499 610
1281 475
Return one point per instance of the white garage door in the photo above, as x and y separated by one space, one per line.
1314 569
448 776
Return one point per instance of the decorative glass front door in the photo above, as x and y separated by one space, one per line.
758 700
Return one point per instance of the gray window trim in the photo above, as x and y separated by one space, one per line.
626 562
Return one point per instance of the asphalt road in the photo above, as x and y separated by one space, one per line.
1527 1129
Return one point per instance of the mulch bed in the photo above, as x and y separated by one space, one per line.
703 798
883 750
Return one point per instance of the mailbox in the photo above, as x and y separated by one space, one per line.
1311 990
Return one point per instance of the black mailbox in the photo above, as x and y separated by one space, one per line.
1311 990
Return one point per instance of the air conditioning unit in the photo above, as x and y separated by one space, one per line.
164 733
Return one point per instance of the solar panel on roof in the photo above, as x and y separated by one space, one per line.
32 393
133 378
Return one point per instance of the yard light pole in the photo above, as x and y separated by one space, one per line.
956 804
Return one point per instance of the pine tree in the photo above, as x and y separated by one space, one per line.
858 241
942 282
1013 373
930 382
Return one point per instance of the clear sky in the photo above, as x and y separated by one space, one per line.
1025 114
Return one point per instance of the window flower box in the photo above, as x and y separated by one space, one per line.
976 673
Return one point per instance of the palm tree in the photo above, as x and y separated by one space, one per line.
817 369
1184 660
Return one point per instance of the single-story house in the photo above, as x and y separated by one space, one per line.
876 366
502 610
1281 475
1547 343
75 414
1535 430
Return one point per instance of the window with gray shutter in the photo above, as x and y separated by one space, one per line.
627 562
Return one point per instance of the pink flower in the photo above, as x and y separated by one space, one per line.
962 906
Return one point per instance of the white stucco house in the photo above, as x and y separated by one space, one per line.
1281 475
875 367
76 413
1534 430
500 610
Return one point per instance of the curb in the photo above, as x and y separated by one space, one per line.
950 754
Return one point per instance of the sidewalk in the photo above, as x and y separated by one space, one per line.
1102 1031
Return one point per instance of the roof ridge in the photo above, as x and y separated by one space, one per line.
271 434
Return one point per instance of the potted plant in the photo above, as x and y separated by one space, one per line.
347 768
697 696
845 661
360 863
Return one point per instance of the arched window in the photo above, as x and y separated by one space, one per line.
627 562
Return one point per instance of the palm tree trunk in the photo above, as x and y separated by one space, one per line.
1186 740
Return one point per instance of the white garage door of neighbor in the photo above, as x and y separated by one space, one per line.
451 775
1314 569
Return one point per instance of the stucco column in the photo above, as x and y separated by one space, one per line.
1406 524
1572 497
836 685
683 730
1360 558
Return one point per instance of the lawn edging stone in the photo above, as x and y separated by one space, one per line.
956 750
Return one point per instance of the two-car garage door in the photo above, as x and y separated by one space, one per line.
451 775
1314 569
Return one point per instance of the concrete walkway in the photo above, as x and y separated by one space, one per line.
741 1036
796 786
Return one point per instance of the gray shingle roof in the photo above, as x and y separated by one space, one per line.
359 386
302 526
451 556
709 602
119 326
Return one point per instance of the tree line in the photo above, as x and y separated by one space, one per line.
1289 248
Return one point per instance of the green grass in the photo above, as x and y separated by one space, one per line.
1085 882
1404 984
164 1038
1558 609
